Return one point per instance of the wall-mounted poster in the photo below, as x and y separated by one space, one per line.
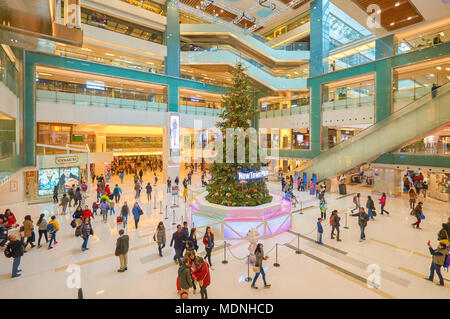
174 132
68 176
203 138
31 188
48 178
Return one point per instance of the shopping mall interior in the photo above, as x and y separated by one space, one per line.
347 97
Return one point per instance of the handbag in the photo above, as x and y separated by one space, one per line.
140 212
154 237
256 269
421 216
73 223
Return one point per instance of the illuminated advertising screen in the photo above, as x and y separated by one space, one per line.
203 138
68 176
47 180
174 132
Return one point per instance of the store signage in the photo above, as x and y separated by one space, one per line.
66 159
245 176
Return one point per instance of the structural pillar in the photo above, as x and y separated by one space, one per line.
172 61
320 37
384 47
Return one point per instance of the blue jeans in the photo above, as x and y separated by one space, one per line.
85 242
15 266
52 239
356 208
125 220
369 211
263 274
112 211
436 268
363 236
320 238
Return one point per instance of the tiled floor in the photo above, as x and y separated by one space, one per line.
393 247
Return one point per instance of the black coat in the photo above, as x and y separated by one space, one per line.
15 249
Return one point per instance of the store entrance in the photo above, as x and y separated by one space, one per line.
131 164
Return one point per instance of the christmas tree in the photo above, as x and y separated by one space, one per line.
225 188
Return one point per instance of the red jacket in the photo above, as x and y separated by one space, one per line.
205 242
107 191
202 273
11 220
87 214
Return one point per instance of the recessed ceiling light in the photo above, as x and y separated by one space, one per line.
431 74
439 68
109 54
447 69
392 23
397 4
221 11
379 11
149 62
86 49
409 18
442 34
47 74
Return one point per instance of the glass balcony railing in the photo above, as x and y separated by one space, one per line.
98 100
423 41
421 148
126 62
195 110
9 75
349 103
302 109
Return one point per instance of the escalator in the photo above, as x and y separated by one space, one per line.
415 120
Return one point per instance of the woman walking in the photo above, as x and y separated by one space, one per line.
55 194
86 231
208 241
42 229
28 231
191 243
160 237
383 203
259 254
202 276
412 197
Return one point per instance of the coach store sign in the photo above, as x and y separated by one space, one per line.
66 159
61 160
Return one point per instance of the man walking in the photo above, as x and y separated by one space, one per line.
122 246
149 189
363 218
15 250
177 240
357 202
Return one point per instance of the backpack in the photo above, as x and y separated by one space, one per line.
447 262
354 200
331 220
50 228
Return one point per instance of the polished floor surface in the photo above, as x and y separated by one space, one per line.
395 256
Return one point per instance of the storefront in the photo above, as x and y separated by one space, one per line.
61 171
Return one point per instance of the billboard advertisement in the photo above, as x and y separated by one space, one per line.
68 176
47 179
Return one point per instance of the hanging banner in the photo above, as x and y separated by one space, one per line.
31 187
174 126
107 172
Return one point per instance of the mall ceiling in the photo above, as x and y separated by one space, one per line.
250 14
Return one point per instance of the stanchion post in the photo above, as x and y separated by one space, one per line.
225 261
160 206
346 214
248 278
173 214
154 201
276 264
298 244
301 207
167 217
